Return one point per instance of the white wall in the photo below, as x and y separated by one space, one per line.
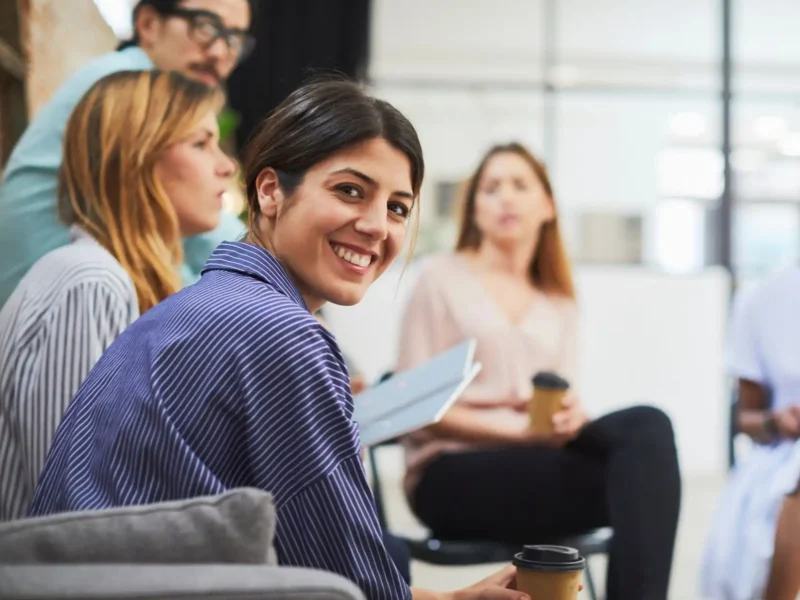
645 338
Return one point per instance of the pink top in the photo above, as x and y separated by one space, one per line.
449 305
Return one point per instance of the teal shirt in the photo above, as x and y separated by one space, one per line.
29 225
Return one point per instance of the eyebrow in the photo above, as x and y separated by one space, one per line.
370 181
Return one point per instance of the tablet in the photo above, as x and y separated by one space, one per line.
415 398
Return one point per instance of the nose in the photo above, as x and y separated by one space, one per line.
507 197
218 50
373 221
226 167
219 55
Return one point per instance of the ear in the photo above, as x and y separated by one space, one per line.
147 25
270 196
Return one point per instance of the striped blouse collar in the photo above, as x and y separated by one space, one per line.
247 259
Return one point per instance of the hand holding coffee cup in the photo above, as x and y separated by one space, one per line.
571 418
549 572
549 393
555 412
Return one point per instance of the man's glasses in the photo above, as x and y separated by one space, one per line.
206 28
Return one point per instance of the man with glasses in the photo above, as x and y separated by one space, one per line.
202 39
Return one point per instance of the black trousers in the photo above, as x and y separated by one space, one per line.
621 470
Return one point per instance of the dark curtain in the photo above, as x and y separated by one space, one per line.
295 40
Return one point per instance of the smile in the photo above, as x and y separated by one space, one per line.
354 258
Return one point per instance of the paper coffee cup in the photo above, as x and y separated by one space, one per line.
551 572
548 395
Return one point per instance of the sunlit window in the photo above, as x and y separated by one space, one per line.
690 172
765 237
679 235
117 13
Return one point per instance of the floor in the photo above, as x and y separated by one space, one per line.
699 501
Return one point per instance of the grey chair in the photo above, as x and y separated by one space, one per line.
203 548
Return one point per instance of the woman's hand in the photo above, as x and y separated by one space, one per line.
570 419
566 424
787 422
357 385
499 586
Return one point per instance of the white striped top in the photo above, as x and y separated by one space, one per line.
62 316
229 383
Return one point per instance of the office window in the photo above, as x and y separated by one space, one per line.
678 235
766 236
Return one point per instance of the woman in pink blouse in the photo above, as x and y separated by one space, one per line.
480 472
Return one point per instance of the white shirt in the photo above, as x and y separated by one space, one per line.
764 348
59 320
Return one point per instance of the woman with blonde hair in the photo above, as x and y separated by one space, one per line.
481 473
142 168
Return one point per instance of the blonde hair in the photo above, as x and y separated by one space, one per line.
107 181
549 268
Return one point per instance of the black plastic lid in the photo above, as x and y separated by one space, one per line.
550 381
549 559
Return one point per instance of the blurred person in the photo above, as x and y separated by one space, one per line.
202 39
142 167
753 549
234 381
481 473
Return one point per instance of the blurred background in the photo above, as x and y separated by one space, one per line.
671 130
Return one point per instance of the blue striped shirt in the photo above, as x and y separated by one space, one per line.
230 382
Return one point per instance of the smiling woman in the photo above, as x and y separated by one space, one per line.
234 381
333 203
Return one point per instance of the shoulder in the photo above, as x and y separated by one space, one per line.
40 144
782 281
291 331
247 299
64 283
77 84
766 296
438 271
435 265
130 59
564 305
251 315
76 266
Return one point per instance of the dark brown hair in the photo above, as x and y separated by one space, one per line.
316 121
549 267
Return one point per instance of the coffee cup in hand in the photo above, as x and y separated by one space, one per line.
551 572
549 390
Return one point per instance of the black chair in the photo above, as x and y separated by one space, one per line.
464 553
